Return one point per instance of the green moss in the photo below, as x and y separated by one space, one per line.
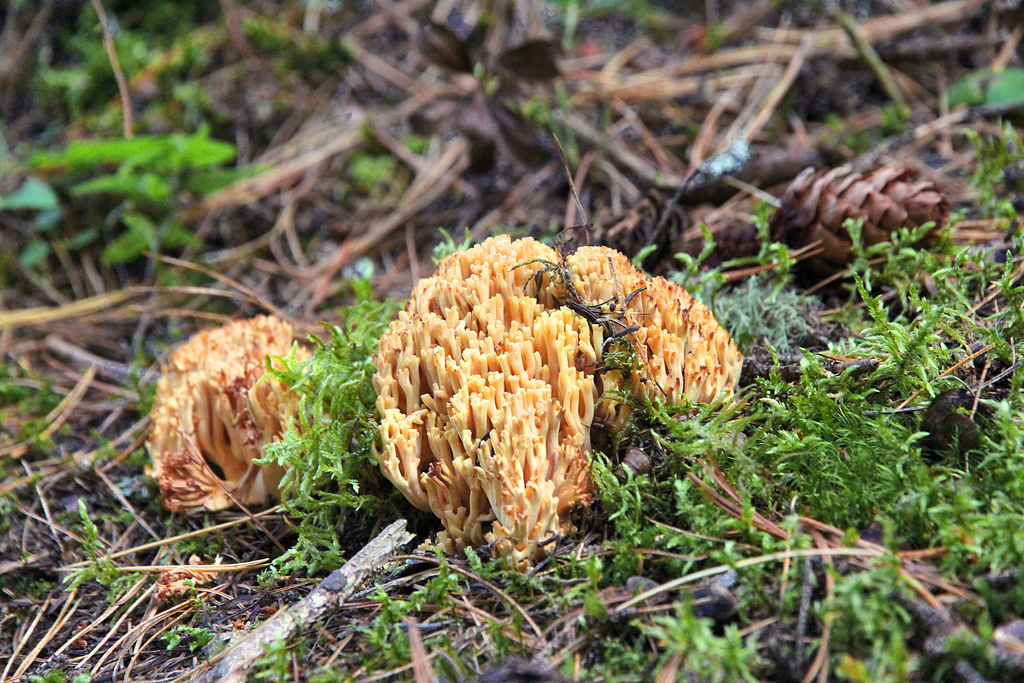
705 655
332 481
995 156
187 636
870 626
26 399
276 664
753 310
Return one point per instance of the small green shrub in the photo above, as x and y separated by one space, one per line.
133 187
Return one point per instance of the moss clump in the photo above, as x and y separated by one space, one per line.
332 482
753 310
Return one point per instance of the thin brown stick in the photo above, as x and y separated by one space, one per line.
670 671
17 60
182 607
117 624
24 639
771 102
817 669
489 586
59 415
422 671
870 56
830 41
696 576
114 629
701 143
426 188
104 303
953 368
174 539
573 183
69 608
115 64
638 164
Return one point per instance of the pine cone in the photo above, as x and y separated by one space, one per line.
818 202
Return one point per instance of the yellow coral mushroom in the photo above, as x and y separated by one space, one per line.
213 416
488 385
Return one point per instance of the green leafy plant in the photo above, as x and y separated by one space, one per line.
133 187
195 638
276 664
988 87
59 676
386 637
449 246
100 568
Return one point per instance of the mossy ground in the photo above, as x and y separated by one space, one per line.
853 512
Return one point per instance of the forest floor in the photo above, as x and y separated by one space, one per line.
853 512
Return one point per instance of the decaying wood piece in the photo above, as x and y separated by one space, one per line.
325 599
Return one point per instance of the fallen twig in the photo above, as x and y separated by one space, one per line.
115 64
234 663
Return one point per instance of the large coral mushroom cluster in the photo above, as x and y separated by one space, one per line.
214 413
488 386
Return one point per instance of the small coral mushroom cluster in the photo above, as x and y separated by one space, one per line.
493 376
215 411
489 384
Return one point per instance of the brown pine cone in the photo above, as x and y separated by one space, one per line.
818 202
